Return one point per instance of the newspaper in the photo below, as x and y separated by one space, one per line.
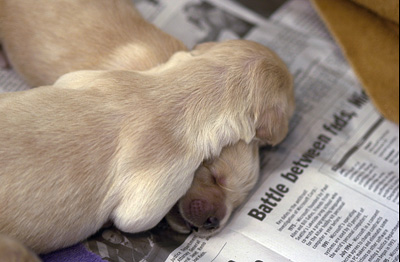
330 192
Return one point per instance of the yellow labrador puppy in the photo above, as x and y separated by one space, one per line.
45 40
124 146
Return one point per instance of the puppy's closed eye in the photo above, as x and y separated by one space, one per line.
213 174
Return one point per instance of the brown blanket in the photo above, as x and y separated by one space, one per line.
368 32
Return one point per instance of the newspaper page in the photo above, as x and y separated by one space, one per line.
330 192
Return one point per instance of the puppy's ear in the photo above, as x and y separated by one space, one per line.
273 126
275 100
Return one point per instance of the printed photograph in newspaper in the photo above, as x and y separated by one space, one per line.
203 21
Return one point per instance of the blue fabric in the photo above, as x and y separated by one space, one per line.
77 253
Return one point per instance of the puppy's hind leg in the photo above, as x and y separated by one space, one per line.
12 250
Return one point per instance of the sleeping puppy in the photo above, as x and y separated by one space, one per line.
45 40
218 188
123 146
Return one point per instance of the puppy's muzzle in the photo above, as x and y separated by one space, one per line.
203 213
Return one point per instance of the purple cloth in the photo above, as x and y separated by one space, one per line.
76 253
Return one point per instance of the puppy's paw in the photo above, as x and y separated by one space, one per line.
12 250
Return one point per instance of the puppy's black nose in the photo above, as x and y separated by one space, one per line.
212 223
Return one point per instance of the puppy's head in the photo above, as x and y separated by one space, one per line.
259 75
219 186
